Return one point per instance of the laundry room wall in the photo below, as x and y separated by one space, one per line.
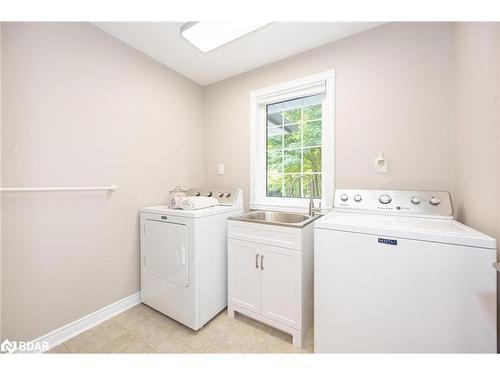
476 125
393 95
80 108
476 129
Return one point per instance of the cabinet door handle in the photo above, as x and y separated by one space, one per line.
262 262
257 261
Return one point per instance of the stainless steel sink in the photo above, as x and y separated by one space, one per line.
276 218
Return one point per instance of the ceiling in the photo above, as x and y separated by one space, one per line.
162 41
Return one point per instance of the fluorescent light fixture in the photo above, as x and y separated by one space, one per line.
208 35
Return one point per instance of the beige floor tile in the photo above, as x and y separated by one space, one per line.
240 338
144 330
265 328
96 338
272 344
185 340
59 349
126 344
134 315
153 331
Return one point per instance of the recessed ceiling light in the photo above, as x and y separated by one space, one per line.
208 35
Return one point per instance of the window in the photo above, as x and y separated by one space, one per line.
292 143
294 147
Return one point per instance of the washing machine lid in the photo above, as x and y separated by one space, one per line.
436 230
215 210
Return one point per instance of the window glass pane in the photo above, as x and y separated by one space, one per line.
292 161
294 147
275 114
312 108
312 159
292 136
275 138
312 133
317 184
293 186
294 115
274 185
292 111
275 162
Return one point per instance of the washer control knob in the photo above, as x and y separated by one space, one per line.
385 199
209 193
228 195
357 198
197 194
434 201
344 197
220 195
415 200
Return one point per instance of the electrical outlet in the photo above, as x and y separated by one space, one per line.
380 163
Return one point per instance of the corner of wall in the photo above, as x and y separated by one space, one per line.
452 110
205 178
475 125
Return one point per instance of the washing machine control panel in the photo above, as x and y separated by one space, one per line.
399 202
225 196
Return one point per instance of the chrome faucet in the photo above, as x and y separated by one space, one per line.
312 193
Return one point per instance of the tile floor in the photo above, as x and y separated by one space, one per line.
144 330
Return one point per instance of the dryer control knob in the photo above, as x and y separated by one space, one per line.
209 194
385 199
228 195
434 201
357 198
344 197
197 194
415 200
220 195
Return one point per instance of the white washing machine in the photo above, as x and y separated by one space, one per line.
395 273
184 257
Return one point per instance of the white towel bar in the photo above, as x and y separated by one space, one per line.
95 188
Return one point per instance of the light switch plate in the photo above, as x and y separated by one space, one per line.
220 169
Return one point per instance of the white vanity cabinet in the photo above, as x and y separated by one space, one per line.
270 275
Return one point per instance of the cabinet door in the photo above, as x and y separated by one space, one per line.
244 274
281 285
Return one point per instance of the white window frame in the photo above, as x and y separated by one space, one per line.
322 83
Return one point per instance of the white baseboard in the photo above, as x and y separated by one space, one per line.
73 329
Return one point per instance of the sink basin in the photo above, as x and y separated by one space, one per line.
276 218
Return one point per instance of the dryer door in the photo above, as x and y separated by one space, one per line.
166 251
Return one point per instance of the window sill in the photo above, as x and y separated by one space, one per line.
299 208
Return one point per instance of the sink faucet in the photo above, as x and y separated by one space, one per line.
312 193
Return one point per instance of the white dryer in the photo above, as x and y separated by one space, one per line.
395 273
184 257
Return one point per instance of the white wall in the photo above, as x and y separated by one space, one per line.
80 108
393 95
475 139
476 130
